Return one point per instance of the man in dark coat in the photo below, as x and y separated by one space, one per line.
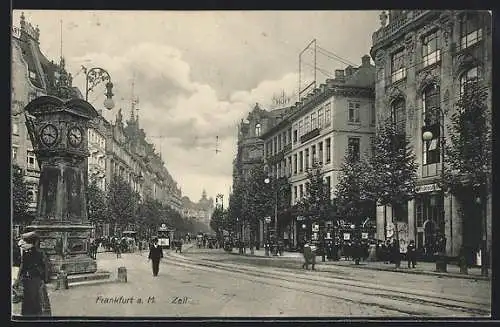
411 254
33 274
155 254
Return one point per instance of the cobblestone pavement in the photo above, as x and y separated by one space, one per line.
212 283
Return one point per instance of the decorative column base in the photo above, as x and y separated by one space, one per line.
80 264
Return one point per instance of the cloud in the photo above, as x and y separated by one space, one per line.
182 117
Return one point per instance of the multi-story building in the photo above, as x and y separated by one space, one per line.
33 75
423 60
250 150
201 211
337 117
97 132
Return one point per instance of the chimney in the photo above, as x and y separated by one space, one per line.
339 74
365 60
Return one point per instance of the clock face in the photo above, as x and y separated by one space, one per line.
49 135
75 136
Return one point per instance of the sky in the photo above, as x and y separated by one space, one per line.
197 74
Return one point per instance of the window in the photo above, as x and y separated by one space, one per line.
275 147
301 191
431 104
328 182
431 52
15 128
327 115
398 115
290 166
469 76
320 118
307 124
257 129
372 146
301 162
300 127
353 147
314 120
14 153
295 192
470 30
328 150
313 151
31 159
320 151
398 70
373 115
295 164
307 158
295 136
353 112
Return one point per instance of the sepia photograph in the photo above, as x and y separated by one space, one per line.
251 164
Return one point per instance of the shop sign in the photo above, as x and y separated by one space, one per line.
347 236
427 188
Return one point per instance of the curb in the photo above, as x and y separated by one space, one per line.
415 272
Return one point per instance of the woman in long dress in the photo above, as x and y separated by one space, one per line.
32 275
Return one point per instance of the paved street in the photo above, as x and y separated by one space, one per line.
211 283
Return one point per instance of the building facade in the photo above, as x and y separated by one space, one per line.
250 153
334 118
423 59
200 211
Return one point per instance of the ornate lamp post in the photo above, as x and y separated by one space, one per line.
275 189
94 77
267 220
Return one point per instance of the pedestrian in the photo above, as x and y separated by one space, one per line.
411 254
33 274
396 254
155 255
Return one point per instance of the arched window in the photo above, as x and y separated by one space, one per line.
431 103
470 75
471 30
258 129
398 115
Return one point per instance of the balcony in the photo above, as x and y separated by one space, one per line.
309 135
397 25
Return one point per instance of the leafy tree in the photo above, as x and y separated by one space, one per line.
235 210
468 155
148 216
394 171
219 221
257 201
97 205
122 202
316 202
353 199
20 199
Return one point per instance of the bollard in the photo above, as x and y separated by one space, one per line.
122 274
62 280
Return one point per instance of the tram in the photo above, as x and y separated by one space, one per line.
164 236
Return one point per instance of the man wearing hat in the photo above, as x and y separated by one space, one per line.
155 254
32 275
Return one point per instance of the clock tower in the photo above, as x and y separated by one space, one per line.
58 132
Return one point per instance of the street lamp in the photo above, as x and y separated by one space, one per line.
267 180
484 256
94 77
266 245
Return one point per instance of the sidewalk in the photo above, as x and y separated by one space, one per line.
422 268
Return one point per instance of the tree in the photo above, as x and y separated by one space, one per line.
257 200
235 211
317 201
122 202
97 205
393 170
352 191
218 221
148 216
20 199
468 155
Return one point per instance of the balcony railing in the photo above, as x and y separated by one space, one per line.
396 25
309 135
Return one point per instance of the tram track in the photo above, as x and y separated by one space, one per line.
399 300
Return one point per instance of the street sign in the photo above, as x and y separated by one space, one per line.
347 236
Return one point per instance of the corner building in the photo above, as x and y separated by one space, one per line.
423 59
337 117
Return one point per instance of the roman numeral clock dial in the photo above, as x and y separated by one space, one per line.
75 136
49 135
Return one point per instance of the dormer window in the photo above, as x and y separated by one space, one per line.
258 129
